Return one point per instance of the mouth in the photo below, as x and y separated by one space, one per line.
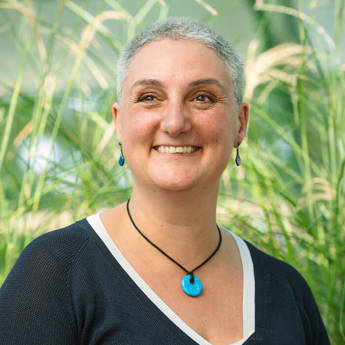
176 149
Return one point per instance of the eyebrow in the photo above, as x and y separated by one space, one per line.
146 82
198 82
207 81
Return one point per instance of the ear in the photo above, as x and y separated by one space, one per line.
116 118
243 117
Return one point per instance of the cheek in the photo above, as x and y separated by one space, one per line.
219 131
138 126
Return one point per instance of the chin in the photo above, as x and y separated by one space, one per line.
172 186
173 183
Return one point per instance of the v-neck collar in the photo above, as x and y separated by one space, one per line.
248 285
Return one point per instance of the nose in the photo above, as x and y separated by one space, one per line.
175 120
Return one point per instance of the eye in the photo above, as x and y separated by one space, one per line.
203 98
146 98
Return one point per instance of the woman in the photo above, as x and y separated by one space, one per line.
158 269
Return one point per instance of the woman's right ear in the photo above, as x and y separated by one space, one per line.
116 118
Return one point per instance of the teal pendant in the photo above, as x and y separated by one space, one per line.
191 289
121 161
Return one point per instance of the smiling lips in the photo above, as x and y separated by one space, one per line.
176 149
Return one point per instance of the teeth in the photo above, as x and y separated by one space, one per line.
176 149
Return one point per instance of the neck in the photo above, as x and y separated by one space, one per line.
182 223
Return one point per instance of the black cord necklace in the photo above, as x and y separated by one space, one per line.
191 284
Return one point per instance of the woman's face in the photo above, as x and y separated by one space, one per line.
178 120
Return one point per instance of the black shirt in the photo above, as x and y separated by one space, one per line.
66 288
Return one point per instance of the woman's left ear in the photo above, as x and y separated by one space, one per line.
243 117
115 110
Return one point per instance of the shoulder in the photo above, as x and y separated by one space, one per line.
286 292
37 292
72 234
69 239
274 267
53 251
282 283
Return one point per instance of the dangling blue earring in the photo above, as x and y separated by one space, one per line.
122 158
238 158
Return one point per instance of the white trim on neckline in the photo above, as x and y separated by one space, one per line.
248 284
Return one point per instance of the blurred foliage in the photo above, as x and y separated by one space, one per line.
58 153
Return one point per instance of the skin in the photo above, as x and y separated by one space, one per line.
163 107
178 93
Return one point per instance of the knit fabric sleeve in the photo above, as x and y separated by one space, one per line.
314 328
313 324
285 306
35 299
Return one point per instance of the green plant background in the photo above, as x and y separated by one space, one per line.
58 151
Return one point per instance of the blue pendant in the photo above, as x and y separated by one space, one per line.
121 161
191 289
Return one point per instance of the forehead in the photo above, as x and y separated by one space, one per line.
176 61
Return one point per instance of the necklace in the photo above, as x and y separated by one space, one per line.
191 284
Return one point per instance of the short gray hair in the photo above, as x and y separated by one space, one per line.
183 28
